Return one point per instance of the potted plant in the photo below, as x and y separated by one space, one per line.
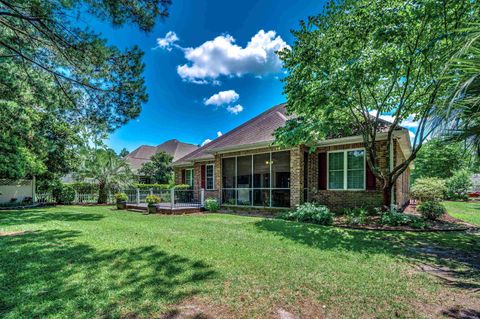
121 200
152 201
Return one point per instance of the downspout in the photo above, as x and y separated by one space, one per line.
392 191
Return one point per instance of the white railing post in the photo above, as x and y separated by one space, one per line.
138 196
76 197
202 197
151 191
172 197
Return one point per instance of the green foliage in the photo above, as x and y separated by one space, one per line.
431 210
464 110
356 216
458 185
124 152
108 170
84 187
161 186
61 82
152 200
428 189
395 219
309 213
121 197
159 168
439 158
385 57
211 204
64 194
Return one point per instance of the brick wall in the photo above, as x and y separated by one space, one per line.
337 200
296 176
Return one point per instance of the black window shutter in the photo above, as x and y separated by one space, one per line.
370 179
322 171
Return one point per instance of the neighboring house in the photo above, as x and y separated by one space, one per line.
242 168
143 153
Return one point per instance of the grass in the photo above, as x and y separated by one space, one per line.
95 262
466 211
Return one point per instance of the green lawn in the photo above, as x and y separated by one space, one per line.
86 262
466 211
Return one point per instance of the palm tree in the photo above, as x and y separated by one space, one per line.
107 169
464 110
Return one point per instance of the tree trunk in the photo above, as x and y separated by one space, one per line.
387 196
102 193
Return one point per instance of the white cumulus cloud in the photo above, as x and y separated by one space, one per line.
206 142
235 109
219 133
222 57
223 97
168 41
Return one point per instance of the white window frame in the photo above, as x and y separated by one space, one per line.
213 177
345 169
186 178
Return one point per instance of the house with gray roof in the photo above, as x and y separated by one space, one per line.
244 168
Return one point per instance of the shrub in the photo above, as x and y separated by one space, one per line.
431 210
84 187
121 197
64 194
211 204
458 185
428 189
395 219
152 200
310 213
356 216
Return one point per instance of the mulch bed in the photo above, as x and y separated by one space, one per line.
444 224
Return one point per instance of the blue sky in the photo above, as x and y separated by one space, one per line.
248 76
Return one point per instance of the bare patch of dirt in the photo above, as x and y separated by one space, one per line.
459 275
15 233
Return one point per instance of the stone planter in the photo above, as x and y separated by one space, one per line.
121 205
152 209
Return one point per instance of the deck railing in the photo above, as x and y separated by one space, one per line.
173 198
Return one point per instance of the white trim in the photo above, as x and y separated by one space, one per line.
345 170
213 177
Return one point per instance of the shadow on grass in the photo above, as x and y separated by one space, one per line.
456 252
47 273
18 217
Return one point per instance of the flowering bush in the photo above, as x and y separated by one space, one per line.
211 204
309 213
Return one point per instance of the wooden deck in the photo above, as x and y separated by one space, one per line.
166 208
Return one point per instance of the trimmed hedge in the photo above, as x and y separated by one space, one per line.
161 186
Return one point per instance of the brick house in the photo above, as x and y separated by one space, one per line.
242 168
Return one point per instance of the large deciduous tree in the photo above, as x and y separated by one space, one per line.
159 169
361 59
58 77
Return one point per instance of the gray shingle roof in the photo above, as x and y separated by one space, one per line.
143 153
258 130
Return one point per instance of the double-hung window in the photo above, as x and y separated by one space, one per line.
189 176
346 170
209 176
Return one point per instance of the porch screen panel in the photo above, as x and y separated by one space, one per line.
261 171
244 180
281 170
280 192
228 173
261 180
